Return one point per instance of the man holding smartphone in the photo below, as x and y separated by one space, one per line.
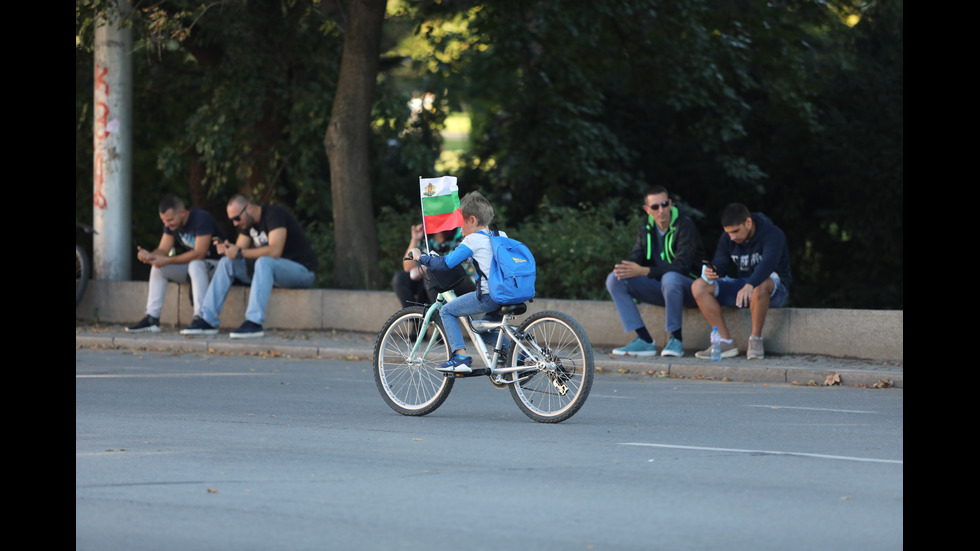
192 230
660 270
282 257
757 249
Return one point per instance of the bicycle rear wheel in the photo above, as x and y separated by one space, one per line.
563 380
410 384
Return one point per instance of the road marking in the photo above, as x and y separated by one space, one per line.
158 375
810 409
765 452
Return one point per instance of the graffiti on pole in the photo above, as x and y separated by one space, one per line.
102 132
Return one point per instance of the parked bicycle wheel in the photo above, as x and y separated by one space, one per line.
410 384
563 377
83 271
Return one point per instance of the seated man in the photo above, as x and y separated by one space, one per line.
759 251
271 237
660 270
409 286
192 230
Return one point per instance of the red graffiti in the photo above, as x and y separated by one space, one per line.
101 132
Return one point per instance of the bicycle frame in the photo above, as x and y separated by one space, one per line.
473 329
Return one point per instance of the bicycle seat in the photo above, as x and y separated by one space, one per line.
512 309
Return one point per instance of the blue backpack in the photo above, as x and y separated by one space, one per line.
512 271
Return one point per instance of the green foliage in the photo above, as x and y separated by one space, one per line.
320 235
575 248
779 105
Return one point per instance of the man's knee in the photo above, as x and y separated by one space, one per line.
763 291
673 280
700 289
613 283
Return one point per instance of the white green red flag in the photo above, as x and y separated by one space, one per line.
440 204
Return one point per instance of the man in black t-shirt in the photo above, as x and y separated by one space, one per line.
192 231
270 236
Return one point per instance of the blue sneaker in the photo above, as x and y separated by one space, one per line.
674 348
638 347
199 327
457 364
247 330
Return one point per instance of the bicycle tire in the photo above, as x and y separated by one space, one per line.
411 386
83 271
569 364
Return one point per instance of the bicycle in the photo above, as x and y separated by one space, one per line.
550 372
83 265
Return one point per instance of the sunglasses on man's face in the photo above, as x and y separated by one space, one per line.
656 207
239 217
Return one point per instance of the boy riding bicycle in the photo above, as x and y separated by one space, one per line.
477 215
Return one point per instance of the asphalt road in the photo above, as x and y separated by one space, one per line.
214 452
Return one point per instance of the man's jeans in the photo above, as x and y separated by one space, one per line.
197 273
268 272
673 292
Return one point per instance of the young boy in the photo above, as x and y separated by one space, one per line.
477 215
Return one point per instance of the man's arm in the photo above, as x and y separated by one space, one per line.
243 249
772 248
160 257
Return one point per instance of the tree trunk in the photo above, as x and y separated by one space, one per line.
347 148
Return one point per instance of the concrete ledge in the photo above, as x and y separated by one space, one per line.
865 334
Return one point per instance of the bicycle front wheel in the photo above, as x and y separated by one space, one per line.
558 382
409 382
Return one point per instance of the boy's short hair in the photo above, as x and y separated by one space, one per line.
475 204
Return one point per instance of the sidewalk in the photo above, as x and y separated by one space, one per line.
794 369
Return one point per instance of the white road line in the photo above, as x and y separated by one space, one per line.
809 409
160 375
764 452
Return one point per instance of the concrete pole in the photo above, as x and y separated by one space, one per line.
113 110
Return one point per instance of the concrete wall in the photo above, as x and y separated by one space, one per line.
868 334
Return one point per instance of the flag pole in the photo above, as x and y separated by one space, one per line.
425 235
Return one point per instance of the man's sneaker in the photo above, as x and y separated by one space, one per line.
247 330
756 350
728 350
148 324
638 347
674 348
199 327
457 364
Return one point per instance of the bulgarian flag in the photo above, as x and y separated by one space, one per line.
440 204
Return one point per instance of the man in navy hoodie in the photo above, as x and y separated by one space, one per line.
758 250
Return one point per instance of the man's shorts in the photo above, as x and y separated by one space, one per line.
727 289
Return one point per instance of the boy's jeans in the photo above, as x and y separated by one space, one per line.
466 305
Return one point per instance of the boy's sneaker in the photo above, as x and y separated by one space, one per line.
638 347
457 364
674 348
728 350
148 324
199 327
247 330
756 350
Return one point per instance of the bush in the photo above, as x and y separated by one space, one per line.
576 248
